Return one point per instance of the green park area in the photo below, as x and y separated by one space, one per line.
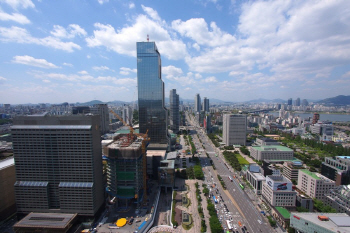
241 160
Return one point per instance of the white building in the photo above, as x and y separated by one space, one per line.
291 169
314 184
234 129
320 223
197 103
271 152
255 178
277 190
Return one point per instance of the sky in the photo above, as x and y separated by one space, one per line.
82 50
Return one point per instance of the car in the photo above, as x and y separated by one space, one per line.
259 221
245 228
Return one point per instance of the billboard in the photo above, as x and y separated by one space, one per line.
283 185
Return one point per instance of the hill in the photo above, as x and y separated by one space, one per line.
338 100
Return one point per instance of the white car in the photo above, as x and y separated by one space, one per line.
259 221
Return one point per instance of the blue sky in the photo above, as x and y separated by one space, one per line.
76 51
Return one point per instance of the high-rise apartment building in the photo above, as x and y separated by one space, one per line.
58 164
235 129
174 111
152 112
197 103
206 104
102 110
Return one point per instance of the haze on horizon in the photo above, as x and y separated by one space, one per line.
78 51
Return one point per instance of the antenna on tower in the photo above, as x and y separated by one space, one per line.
147 38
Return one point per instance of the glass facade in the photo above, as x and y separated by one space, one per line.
152 113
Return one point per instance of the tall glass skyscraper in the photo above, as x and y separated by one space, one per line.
152 112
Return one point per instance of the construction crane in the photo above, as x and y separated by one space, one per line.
145 141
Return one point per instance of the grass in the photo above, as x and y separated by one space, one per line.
241 160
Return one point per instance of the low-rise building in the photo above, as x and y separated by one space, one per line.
314 184
320 223
271 152
339 198
277 191
266 142
337 168
255 178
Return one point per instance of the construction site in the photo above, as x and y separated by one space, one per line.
126 183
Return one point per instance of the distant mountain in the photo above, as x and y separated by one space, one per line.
338 100
90 103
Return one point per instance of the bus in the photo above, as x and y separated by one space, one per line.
229 225
242 187
215 199
230 178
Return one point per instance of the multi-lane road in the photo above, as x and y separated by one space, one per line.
237 201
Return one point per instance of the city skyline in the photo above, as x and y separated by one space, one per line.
64 51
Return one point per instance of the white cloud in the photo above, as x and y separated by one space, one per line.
126 71
171 71
16 17
15 4
211 79
196 46
100 68
71 31
131 5
21 35
46 81
2 80
123 41
67 64
88 56
197 29
152 13
83 72
102 1
31 61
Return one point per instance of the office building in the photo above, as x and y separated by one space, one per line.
337 169
7 194
324 130
234 129
102 111
297 102
197 103
314 184
291 169
315 118
304 102
80 110
58 164
255 178
266 142
125 169
127 114
277 191
174 111
320 222
338 198
290 101
152 113
274 152
206 104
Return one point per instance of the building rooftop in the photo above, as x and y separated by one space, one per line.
167 164
46 220
271 148
7 162
312 174
338 222
283 211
